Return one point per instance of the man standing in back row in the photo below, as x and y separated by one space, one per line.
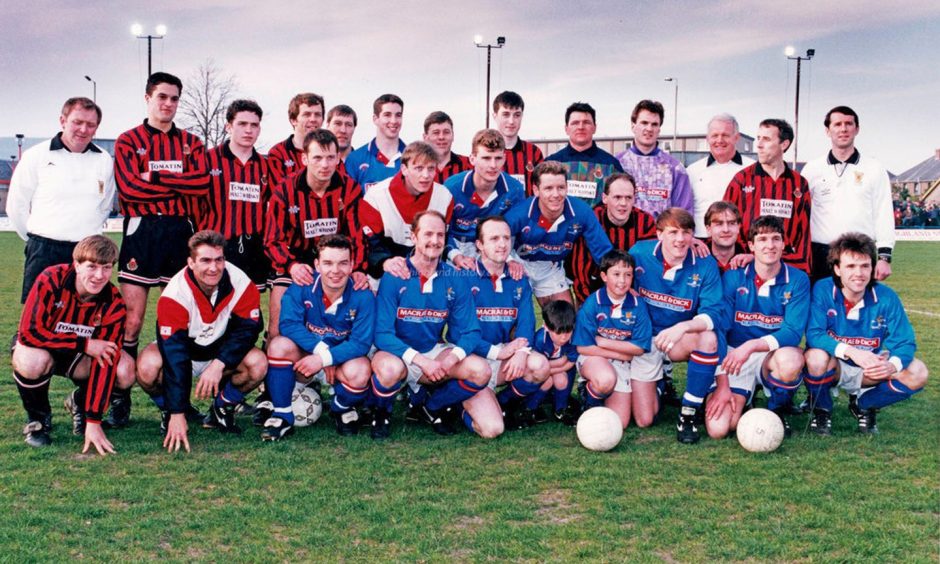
521 156
380 158
305 113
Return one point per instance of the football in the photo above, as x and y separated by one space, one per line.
306 405
760 430
599 429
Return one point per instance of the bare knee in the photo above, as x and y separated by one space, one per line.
388 369
707 342
356 372
281 347
537 368
489 427
787 364
478 370
817 361
149 364
255 365
915 376
126 373
31 363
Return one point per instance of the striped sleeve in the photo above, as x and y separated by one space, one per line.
101 378
37 323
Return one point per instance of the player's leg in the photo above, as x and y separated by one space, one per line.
548 281
566 409
877 395
819 375
135 298
274 307
388 376
464 380
482 414
119 414
513 398
351 386
781 376
701 350
282 353
598 379
32 371
742 387
247 376
645 402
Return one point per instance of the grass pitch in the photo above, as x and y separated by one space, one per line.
532 495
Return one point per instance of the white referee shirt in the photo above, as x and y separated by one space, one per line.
850 196
709 180
61 195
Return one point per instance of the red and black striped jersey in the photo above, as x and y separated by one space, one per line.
297 218
521 161
238 193
756 194
457 163
581 268
57 320
176 161
285 159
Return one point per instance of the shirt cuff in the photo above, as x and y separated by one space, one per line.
459 353
323 350
493 353
771 342
840 351
896 362
409 356
704 317
453 253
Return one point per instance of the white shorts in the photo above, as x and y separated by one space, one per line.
745 381
199 366
850 377
468 249
494 369
622 369
648 367
414 371
546 277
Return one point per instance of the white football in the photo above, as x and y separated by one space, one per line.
306 405
760 430
599 429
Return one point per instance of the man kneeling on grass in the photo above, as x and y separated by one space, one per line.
326 332
769 304
859 339
614 327
208 319
73 325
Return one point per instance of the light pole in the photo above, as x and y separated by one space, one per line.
478 41
138 31
19 151
675 112
94 88
790 52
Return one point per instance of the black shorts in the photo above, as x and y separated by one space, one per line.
41 253
820 262
65 362
283 279
154 249
247 253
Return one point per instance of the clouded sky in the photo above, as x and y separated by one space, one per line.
879 57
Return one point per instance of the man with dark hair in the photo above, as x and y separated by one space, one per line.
859 339
723 227
614 327
240 182
380 158
389 208
507 330
521 156
710 176
850 193
769 306
588 164
326 332
208 319
309 204
160 171
342 121
305 113
624 225
661 180
61 191
439 134
73 325
411 313
546 226
683 294
482 192
771 187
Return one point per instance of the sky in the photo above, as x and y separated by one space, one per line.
878 57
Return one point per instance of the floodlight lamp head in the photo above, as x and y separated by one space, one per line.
478 39
137 29
810 53
789 51
500 40
161 30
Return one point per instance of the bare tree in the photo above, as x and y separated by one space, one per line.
206 96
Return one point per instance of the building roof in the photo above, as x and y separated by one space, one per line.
926 171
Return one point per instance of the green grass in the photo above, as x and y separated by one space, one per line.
531 495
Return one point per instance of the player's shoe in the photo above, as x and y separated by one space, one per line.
867 425
669 394
222 417
686 426
516 418
119 415
38 433
347 422
438 421
414 414
569 415
381 427
164 421
193 415
262 412
821 423
276 429
782 414
78 416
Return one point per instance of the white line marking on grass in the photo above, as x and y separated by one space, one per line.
927 313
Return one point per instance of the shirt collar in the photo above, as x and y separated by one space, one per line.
736 159
853 158
227 152
57 145
153 130
636 150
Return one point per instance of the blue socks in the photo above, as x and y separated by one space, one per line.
383 398
280 385
781 393
818 388
593 398
516 390
452 392
885 394
700 375
346 397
